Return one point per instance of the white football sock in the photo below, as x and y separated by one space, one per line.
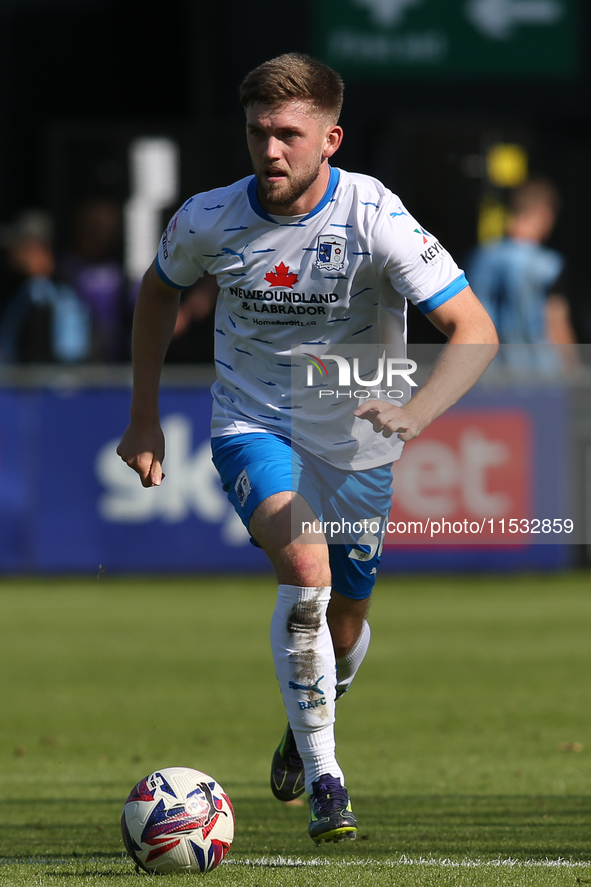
348 666
305 666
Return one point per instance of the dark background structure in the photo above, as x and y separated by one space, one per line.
81 77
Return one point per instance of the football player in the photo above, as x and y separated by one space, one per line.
310 260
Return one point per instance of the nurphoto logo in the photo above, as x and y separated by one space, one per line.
388 371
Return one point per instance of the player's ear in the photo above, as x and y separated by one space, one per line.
332 140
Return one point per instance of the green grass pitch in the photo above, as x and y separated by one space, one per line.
466 738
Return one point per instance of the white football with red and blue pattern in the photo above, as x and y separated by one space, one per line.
177 820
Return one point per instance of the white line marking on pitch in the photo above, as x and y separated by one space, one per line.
291 862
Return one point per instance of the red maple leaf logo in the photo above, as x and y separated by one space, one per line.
281 276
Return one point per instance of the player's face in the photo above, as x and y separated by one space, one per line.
289 147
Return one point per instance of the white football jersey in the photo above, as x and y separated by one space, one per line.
296 289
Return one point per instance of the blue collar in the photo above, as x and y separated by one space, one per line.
328 195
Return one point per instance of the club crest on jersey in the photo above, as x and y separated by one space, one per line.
330 252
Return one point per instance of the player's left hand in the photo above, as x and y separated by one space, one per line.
388 419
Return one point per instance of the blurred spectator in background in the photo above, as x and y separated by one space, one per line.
521 283
92 265
194 332
43 320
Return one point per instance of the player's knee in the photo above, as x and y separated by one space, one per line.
304 565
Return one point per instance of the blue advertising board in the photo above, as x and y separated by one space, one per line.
69 504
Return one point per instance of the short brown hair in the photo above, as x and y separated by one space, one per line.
294 76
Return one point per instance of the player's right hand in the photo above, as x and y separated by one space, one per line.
142 448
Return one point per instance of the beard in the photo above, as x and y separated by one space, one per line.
285 193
